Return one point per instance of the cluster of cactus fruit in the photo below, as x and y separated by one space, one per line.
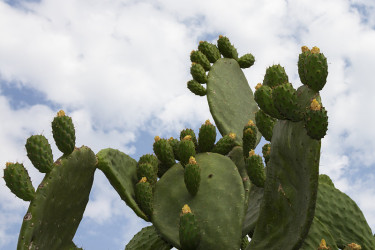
200 193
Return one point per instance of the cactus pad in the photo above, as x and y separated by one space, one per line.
218 206
60 200
147 239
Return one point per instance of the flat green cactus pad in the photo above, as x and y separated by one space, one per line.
342 217
60 201
147 239
230 98
252 211
317 232
218 206
121 171
290 190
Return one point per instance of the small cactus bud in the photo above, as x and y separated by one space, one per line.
250 123
232 135
258 86
323 245
143 180
251 153
305 49
61 113
315 105
157 138
192 160
186 209
353 246
315 50
207 122
188 137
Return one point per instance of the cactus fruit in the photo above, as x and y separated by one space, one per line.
225 144
148 171
143 196
188 230
40 153
164 151
206 137
275 75
198 57
284 97
209 50
316 120
192 176
249 137
313 68
226 48
150 159
263 97
63 132
198 73
196 88
190 132
186 149
18 181
266 151
255 169
246 61
264 124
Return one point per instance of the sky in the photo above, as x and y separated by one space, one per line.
120 68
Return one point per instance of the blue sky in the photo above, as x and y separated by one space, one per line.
120 68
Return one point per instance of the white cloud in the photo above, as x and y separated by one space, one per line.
120 67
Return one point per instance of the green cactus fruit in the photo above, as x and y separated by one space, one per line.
197 56
189 231
263 97
230 97
40 153
56 211
147 239
301 63
226 48
264 124
143 196
342 216
244 243
162 169
225 144
315 69
192 176
218 212
249 137
63 132
246 61
190 132
275 75
186 148
198 73
284 98
151 159
164 151
18 181
316 121
148 171
206 137
174 143
121 171
209 50
266 151
255 169
196 88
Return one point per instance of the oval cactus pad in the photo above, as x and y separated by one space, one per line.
230 98
121 171
218 206
60 201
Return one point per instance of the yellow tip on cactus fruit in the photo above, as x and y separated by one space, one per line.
157 138
248 131
315 50
251 153
186 209
258 86
192 160
220 36
232 135
304 48
170 139
8 164
315 105
143 179
207 122
188 137
323 245
250 123
354 246
61 113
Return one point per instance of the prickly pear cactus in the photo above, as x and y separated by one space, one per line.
204 193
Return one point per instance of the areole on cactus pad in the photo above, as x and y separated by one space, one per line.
204 193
